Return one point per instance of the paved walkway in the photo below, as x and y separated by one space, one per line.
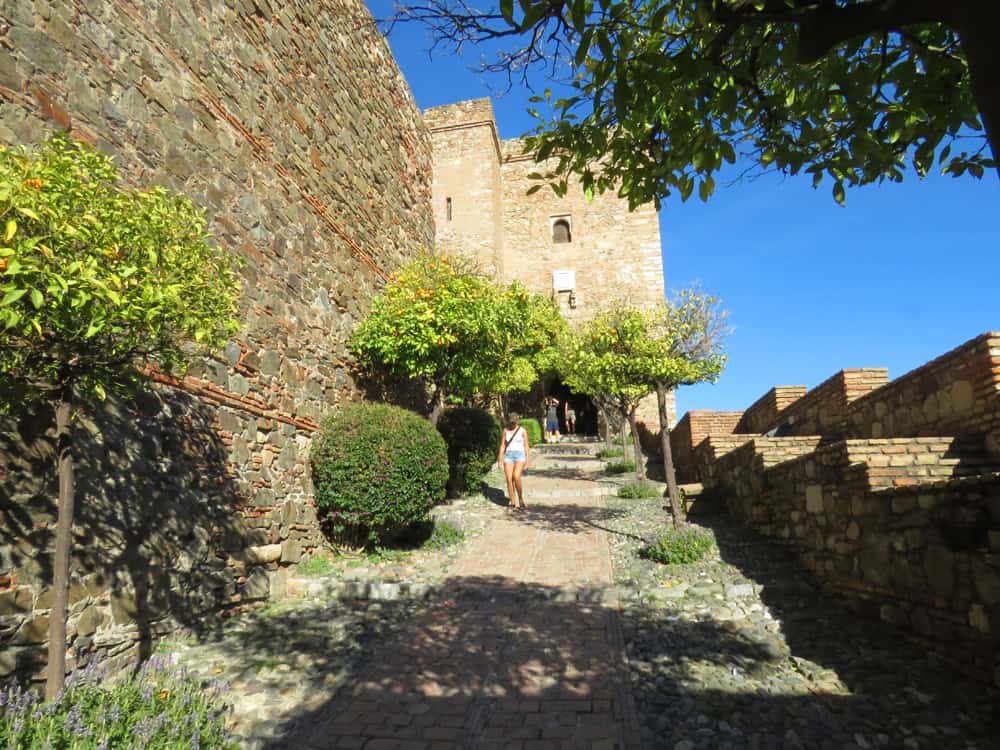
524 653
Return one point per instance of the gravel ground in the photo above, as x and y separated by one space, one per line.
740 651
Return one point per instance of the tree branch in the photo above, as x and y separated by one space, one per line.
823 28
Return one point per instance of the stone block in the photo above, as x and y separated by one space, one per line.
124 608
265 553
291 551
257 586
15 601
90 619
814 498
939 565
978 618
904 503
986 579
34 630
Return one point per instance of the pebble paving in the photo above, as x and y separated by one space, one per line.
544 629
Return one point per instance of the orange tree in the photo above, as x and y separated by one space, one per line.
663 93
95 279
452 328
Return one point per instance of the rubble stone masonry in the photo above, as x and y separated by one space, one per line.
889 492
290 124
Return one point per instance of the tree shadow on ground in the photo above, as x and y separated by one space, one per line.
154 514
493 661
883 672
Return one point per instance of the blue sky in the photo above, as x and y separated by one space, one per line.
902 274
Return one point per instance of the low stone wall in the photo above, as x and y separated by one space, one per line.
957 393
694 427
906 529
762 415
823 410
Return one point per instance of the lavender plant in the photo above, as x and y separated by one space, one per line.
158 708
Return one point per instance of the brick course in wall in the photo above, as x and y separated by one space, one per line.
823 409
694 427
762 415
290 124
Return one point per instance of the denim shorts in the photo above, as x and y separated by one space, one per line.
513 457
552 425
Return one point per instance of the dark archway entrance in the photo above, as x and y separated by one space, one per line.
586 412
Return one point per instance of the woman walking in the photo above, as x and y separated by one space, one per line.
514 456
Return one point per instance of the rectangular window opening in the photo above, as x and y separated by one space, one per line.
447 207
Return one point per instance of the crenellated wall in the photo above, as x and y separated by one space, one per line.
291 125
762 415
889 492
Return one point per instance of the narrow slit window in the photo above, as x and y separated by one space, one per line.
560 231
447 208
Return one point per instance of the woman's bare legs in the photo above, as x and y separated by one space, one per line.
518 484
508 470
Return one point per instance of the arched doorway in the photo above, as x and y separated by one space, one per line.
586 412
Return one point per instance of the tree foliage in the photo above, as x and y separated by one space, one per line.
95 279
681 345
457 330
598 360
663 93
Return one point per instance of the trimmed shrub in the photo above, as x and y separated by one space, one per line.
376 469
534 429
154 708
619 467
609 453
472 436
688 544
638 490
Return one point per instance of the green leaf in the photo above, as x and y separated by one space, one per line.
12 296
838 193
11 230
28 212
37 299
507 10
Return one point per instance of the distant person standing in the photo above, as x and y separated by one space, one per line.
552 419
570 416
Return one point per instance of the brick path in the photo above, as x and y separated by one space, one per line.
524 653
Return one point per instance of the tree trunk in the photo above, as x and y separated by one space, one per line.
978 29
438 408
676 504
56 672
636 448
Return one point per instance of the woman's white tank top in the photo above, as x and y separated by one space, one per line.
517 442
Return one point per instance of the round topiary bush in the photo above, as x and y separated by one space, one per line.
472 436
376 469
534 429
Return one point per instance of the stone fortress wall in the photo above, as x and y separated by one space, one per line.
291 125
889 491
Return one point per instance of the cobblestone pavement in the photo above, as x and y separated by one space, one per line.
520 643
741 652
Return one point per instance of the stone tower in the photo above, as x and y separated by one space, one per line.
581 252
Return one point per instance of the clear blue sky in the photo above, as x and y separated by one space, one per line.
902 274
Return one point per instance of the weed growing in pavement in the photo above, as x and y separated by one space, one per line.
639 490
688 544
